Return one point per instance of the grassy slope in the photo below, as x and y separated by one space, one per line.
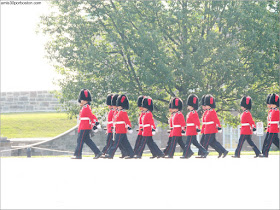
24 125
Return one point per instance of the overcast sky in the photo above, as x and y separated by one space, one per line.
23 66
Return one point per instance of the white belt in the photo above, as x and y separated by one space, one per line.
245 124
190 124
273 122
177 126
111 122
208 123
85 118
146 125
119 122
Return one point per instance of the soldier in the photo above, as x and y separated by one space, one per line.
192 127
88 121
247 127
178 125
139 136
273 124
276 141
121 125
212 126
149 129
109 141
202 127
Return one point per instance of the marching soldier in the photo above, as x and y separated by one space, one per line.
88 121
149 129
247 127
170 127
273 124
192 127
139 136
178 125
121 125
212 126
109 141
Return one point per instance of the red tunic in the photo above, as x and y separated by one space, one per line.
203 120
211 122
178 123
192 123
268 120
148 123
110 121
140 124
247 123
87 119
274 121
121 121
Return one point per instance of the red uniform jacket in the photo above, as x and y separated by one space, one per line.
87 119
110 121
274 121
140 124
171 126
148 123
192 123
211 122
178 123
121 121
203 120
247 123
268 120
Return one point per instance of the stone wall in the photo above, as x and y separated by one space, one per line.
28 101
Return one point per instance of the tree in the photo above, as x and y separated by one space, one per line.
166 48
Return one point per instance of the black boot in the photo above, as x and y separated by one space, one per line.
225 154
98 155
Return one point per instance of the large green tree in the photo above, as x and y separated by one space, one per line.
166 48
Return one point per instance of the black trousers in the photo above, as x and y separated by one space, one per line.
83 137
121 141
137 143
272 137
180 142
275 142
192 140
175 139
210 139
151 145
250 142
109 143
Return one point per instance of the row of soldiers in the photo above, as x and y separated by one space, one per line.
118 125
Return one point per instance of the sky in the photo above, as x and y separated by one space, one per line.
23 65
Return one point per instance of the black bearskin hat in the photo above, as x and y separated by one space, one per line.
139 101
193 101
203 100
114 100
274 99
109 99
177 104
84 95
123 101
246 102
267 98
147 102
209 100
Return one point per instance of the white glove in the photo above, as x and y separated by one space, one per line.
98 126
130 131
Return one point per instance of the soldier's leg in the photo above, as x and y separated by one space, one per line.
201 143
240 145
80 143
127 146
172 146
142 146
181 143
265 141
271 137
252 144
137 143
155 150
91 145
109 143
187 150
165 151
276 141
199 147
115 145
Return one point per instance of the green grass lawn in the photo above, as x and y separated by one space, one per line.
29 125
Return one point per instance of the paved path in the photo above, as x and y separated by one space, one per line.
53 183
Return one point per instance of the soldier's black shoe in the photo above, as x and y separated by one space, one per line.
129 157
205 154
257 155
137 157
108 157
160 156
168 157
153 157
225 154
263 156
76 157
123 156
98 155
235 156
183 157
220 155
